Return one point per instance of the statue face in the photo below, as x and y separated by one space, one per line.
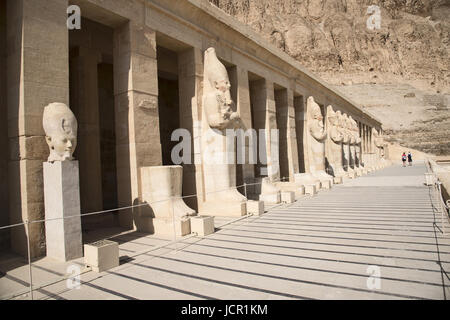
223 86
318 116
60 127
334 120
61 146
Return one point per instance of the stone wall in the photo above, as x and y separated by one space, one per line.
37 74
4 219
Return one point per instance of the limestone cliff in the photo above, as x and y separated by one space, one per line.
400 72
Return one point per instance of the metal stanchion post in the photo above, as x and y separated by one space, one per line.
27 224
245 190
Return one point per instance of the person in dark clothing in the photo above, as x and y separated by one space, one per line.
404 159
409 159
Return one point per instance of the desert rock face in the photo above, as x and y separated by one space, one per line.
400 72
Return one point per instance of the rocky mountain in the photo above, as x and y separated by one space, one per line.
399 69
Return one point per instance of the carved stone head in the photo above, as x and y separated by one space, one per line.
219 107
60 126
314 109
217 75
332 116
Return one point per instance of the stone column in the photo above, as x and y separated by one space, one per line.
37 74
62 208
264 117
244 110
136 112
288 154
292 137
190 77
84 104
281 105
299 124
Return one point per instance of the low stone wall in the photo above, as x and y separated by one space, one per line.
443 174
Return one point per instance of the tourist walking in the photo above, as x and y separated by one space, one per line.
409 158
404 159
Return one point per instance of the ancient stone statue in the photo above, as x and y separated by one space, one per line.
351 130
60 126
357 144
378 142
346 144
334 142
316 135
218 159
220 109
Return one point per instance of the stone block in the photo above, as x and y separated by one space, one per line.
222 208
287 196
273 198
298 189
310 189
101 255
202 225
165 226
351 175
429 179
325 184
255 207
338 180
62 204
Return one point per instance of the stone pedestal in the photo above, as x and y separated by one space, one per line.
298 189
338 180
202 225
162 190
310 190
351 174
62 200
224 208
325 184
270 193
166 227
307 179
101 255
287 196
273 198
255 207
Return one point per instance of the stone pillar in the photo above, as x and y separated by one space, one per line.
190 77
288 154
292 137
244 110
299 124
281 106
136 112
84 104
37 74
62 207
264 117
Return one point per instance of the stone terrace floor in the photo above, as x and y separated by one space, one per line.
316 248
